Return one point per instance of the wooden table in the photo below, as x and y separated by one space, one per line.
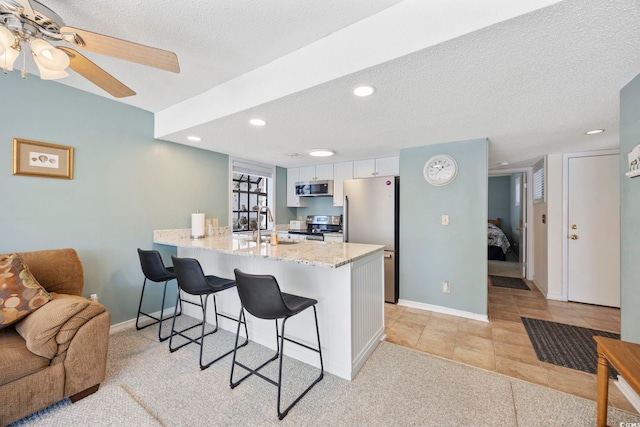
625 358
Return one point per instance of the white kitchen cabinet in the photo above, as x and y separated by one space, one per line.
334 237
384 166
316 173
293 201
388 166
341 172
285 235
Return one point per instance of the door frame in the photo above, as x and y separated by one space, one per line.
528 224
565 210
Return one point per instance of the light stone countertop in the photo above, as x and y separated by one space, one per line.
322 254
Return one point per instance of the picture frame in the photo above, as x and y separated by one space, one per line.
33 158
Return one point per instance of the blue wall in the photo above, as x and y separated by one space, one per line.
500 202
630 213
126 184
431 253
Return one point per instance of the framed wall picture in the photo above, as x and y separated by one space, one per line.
34 158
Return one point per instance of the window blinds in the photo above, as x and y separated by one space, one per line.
539 181
253 169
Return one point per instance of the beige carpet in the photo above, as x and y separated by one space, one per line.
149 386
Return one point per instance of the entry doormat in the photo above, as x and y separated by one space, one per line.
566 345
509 282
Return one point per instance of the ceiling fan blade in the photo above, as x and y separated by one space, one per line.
96 75
129 51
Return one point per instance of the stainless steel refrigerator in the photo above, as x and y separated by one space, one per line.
371 215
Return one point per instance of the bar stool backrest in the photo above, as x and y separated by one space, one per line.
191 278
152 266
260 295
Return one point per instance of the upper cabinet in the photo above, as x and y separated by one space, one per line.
338 172
316 173
341 172
293 201
384 166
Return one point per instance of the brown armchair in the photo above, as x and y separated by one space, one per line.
59 350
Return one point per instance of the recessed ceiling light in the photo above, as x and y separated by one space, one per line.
257 122
194 138
321 152
594 132
504 163
364 90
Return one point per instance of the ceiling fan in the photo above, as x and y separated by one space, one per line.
31 23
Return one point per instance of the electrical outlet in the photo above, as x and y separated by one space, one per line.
94 297
445 219
446 287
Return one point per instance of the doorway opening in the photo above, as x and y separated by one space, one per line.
507 234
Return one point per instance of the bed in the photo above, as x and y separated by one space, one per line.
498 243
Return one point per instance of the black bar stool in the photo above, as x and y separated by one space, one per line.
260 295
192 280
154 270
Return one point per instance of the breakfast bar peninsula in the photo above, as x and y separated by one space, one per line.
347 279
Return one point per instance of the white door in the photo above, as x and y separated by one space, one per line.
593 248
522 227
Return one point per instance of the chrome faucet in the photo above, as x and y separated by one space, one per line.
269 218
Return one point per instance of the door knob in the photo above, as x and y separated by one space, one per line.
574 227
574 237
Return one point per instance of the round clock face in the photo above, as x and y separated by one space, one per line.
440 170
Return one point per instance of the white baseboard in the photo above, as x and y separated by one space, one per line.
628 392
555 297
131 323
444 310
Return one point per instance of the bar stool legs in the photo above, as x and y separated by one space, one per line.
280 339
156 320
200 340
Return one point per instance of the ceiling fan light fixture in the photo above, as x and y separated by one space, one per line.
8 52
46 74
49 57
8 58
321 152
7 39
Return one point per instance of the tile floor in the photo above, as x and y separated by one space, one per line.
502 345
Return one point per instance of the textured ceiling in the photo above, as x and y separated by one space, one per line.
532 84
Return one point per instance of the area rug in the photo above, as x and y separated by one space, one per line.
509 282
566 345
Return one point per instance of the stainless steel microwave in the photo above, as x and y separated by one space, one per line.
314 188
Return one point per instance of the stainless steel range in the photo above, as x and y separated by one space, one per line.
317 225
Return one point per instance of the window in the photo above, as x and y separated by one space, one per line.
539 179
252 188
517 192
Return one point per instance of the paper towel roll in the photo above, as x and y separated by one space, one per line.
197 225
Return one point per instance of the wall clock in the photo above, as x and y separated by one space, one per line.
440 170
